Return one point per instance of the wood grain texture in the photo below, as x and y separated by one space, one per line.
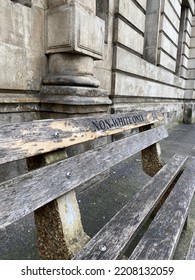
113 239
191 251
28 139
161 238
25 193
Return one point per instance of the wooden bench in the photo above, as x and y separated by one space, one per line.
191 251
49 187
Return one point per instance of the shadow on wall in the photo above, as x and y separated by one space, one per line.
27 3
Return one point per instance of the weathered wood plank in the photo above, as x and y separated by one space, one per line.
28 139
161 238
191 251
24 194
113 239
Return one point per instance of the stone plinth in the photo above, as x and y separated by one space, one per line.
70 69
74 39
71 28
87 4
71 95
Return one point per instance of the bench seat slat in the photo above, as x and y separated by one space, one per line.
28 139
25 193
191 251
161 238
116 235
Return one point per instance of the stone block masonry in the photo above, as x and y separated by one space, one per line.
27 3
62 57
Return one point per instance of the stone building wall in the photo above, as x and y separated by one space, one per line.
73 57
23 60
150 59
189 97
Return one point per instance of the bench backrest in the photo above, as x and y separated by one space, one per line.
21 195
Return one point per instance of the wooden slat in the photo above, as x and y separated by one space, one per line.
114 237
27 139
28 192
191 251
161 238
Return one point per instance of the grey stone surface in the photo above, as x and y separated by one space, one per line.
191 4
152 31
166 61
91 5
169 30
125 85
121 67
168 45
40 3
100 203
142 3
125 35
27 3
61 63
171 13
64 21
189 113
143 68
21 46
132 13
177 5
74 39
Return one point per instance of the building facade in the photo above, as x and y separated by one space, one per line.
77 57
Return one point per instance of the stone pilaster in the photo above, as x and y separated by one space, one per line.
189 104
74 39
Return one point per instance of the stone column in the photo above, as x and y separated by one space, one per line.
151 36
74 39
189 98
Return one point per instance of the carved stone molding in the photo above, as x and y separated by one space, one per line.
74 39
71 28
